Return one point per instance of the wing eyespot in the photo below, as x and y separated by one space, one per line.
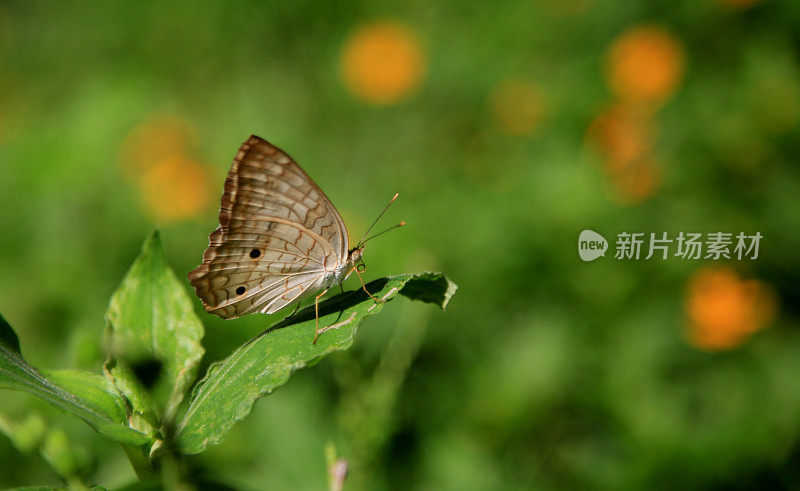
255 253
241 290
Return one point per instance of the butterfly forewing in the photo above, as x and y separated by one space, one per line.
279 235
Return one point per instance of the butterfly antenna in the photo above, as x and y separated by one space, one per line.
381 233
361 241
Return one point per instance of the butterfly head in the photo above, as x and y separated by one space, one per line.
354 255
355 261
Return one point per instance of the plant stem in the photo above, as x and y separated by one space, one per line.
141 464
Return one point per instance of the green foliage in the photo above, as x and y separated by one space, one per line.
83 394
548 373
151 320
150 317
231 386
33 434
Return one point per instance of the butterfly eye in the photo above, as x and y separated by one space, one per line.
255 253
241 290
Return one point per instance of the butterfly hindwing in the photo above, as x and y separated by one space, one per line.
279 236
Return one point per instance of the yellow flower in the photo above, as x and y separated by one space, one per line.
383 62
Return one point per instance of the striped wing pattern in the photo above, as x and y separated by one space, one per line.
279 236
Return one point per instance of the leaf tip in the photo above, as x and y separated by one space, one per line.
152 240
8 336
430 287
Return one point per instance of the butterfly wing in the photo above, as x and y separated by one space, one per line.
279 236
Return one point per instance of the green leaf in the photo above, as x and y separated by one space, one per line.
91 387
143 415
433 288
83 394
151 317
231 386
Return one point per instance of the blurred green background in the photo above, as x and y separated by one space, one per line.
507 128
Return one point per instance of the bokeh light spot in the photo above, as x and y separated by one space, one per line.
623 134
156 157
383 62
776 103
645 65
725 310
635 181
176 188
518 106
160 138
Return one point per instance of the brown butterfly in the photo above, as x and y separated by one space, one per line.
280 239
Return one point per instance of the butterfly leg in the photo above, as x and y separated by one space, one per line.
365 287
317 331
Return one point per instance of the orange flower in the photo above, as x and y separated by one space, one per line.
724 310
383 62
175 187
517 105
645 65
622 133
172 184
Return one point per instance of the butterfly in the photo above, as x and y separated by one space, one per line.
279 240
